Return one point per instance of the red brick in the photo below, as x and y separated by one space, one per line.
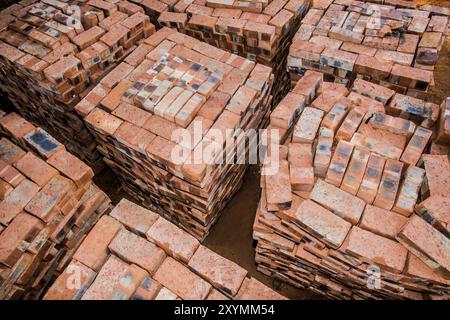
93 252
376 249
338 201
431 246
116 280
133 216
222 273
36 169
176 242
134 249
71 167
181 281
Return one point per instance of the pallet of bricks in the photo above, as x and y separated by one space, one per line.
395 44
258 30
135 254
172 85
48 203
358 208
52 52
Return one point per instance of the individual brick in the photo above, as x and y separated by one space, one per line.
371 180
339 163
136 250
64 289
389 184
186 284
222 273
416 146
278 189
72 167
437 174
355 171
382 222
409 190
323 153
305 129
176 242
340 202
252 289
322 223
377 249
93 252
427 243
36 169
138 219
116 280
435 210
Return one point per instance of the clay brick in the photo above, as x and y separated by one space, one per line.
147 290
431 246
93 252
435 210
322 223
116 280
278 188
135 217
307 126
71 167
339 163
43 143
222 273
136 250
23 228
382 222
323 154
409 190
308 85
181 281
16 126
371 180
252 289
389 184
103 121
355 171
64 289
350 124
373 91
176 242
376 249
35 169
9 152
437 173
343 204
287 110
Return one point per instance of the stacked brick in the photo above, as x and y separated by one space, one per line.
356 210
257 30
393 43
48 203
135 254
53 51
171 85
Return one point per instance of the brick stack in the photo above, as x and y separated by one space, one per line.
133 253
395 44
351 213
52 51
257 30
174 83
48 203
